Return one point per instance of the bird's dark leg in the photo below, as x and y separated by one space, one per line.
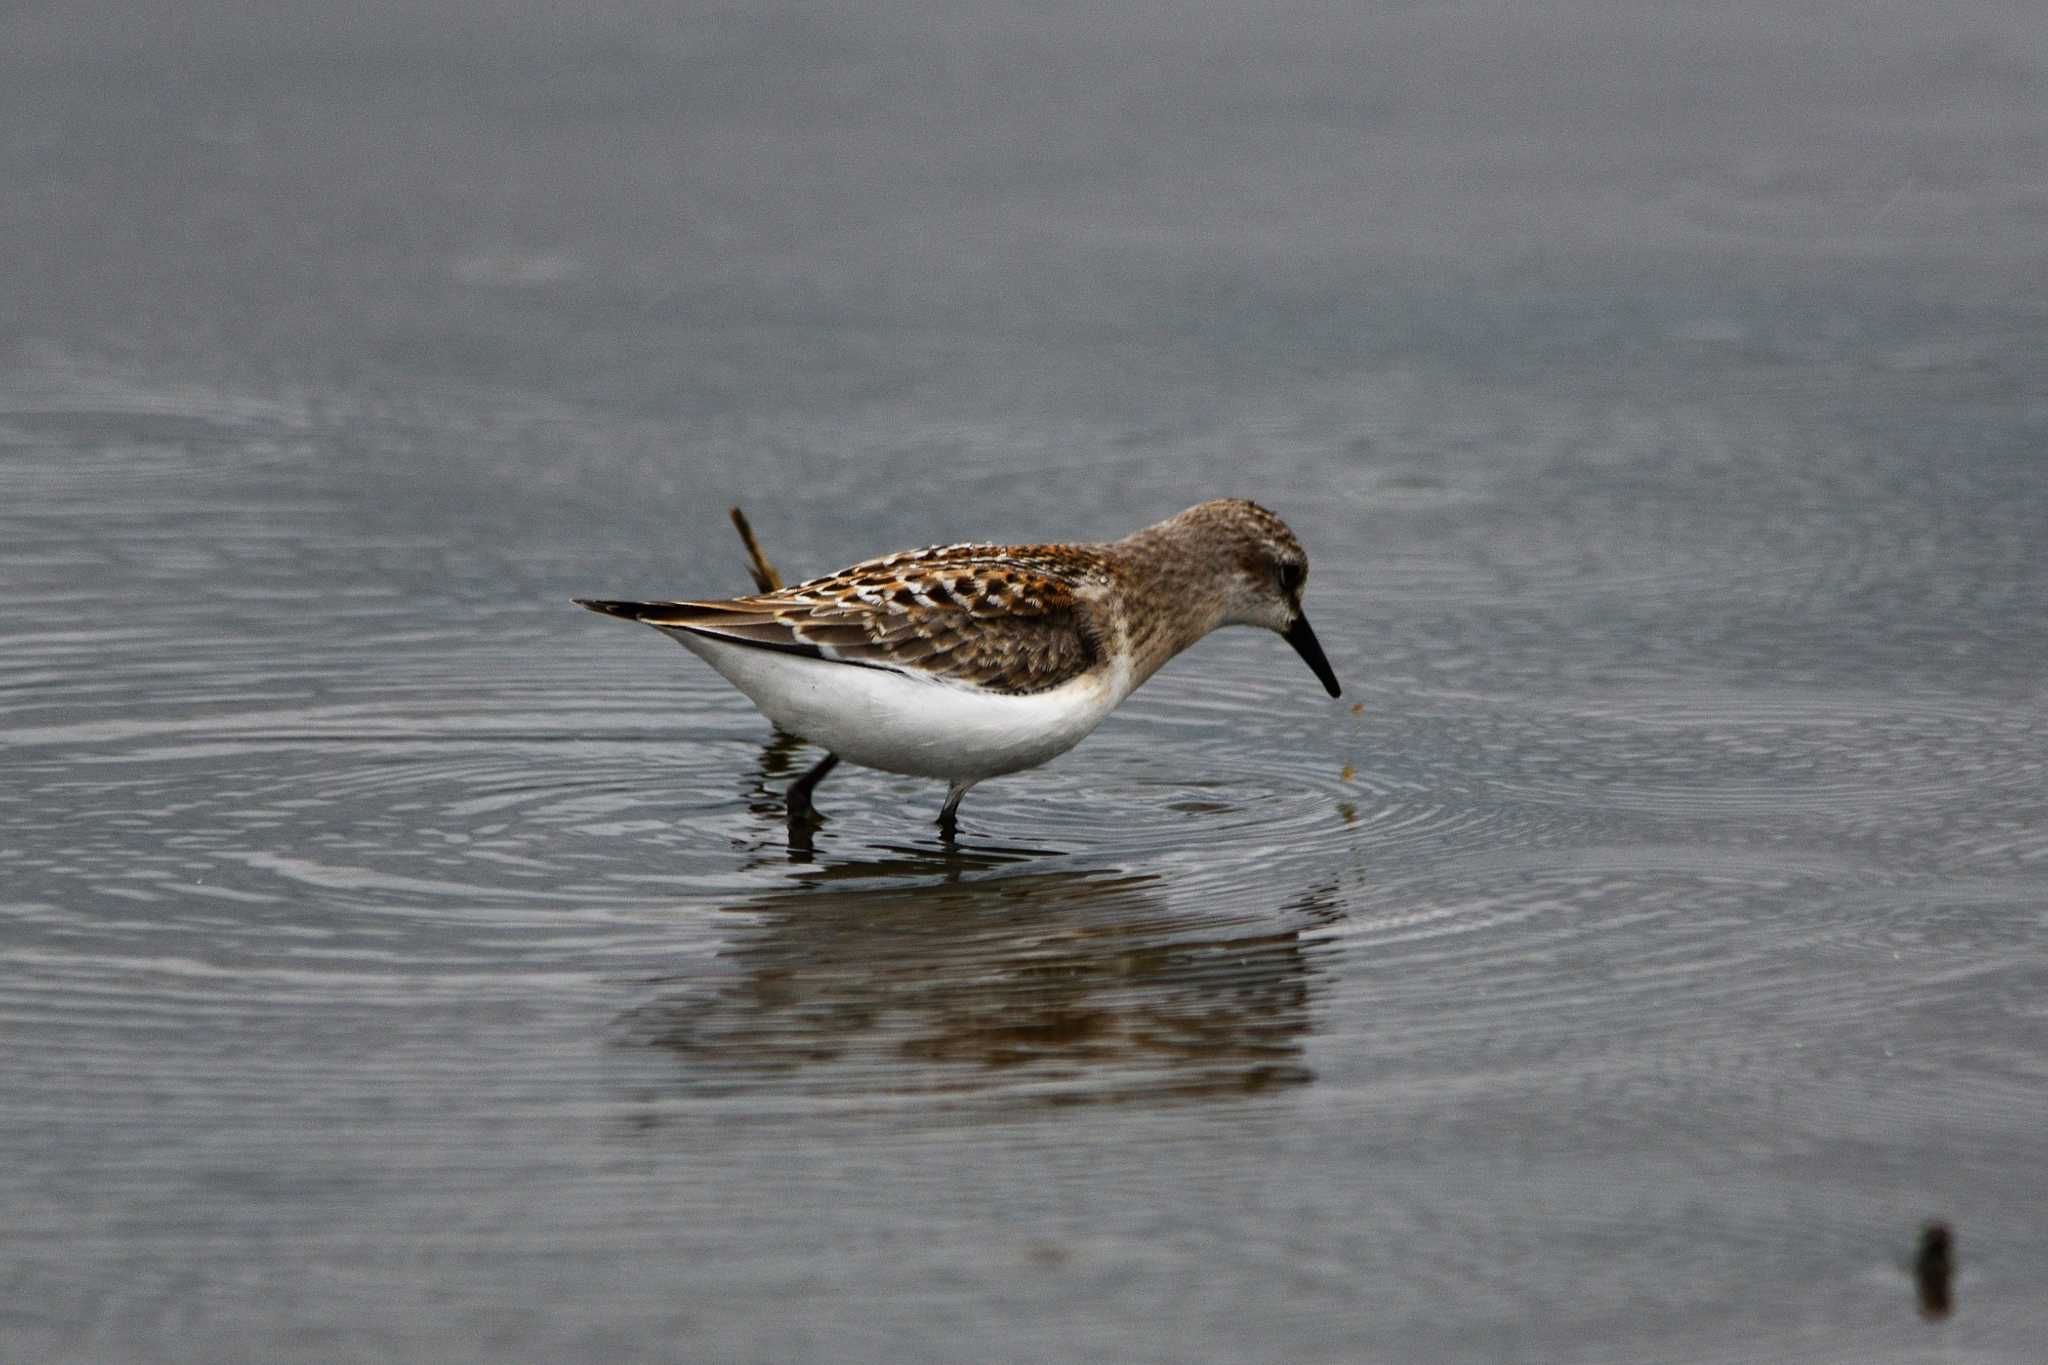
947 823
798 798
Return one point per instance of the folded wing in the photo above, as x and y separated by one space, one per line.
964 614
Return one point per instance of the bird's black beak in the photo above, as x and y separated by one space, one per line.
1304 641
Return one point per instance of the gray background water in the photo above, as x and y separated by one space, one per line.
396 962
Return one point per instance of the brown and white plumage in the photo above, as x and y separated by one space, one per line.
966 661
1010 618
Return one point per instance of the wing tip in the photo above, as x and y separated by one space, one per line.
666 613
628 611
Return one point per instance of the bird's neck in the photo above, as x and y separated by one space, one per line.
1174 596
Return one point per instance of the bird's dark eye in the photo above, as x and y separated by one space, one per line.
1290 578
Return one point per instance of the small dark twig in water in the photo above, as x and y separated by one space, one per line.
766 579
1934 1271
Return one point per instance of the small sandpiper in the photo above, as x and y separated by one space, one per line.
964 662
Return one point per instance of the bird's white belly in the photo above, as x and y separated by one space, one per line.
880 718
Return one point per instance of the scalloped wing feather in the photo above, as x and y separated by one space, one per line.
1012 619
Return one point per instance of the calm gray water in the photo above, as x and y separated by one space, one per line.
397 962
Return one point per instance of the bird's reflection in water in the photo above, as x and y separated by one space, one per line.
1062 987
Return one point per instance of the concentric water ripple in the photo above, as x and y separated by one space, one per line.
1652 907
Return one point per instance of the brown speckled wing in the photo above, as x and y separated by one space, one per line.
1008 618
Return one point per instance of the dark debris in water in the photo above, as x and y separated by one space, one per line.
1934 1271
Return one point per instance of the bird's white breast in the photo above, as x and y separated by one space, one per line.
880 718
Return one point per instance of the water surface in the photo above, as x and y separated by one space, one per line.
402 963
